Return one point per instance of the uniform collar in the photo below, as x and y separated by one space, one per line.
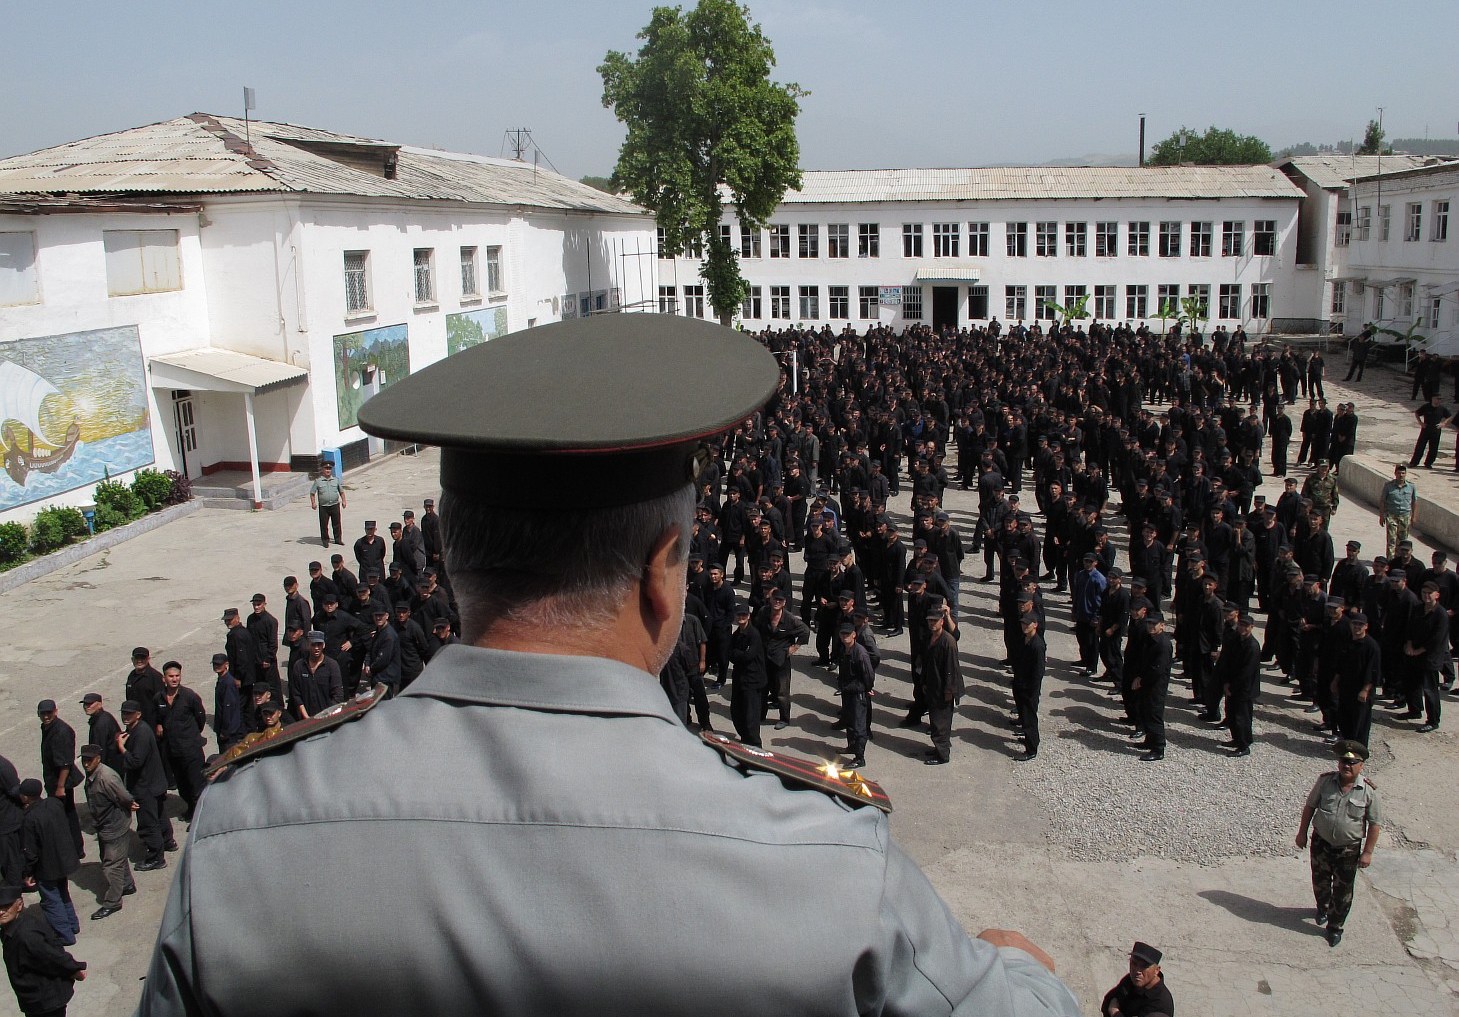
555 683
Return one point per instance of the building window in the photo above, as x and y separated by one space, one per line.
141 261
1015 303
425 275
664 251
1075 238
1378 303
724 235
1339 297
695 246
912 303
18 281
780 301
1365 222
694 301
810 240
1385 221
1264 237
911 240
977 240
1044 297
945 239
1229 305
1233 239
1104 302
840 301
869 300
1106 239
1170 240
1434 304
1405 300
1046 239
1200 240
868 240
1072 294
749 242
1139 244
1414 221
838 244
1202 294
496 280
667 303
779 240
1344 234
469 287
1167 299
978 303
1016 235
1137 301
751 307
1441 222
1261 300
810 303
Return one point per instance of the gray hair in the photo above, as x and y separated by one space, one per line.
554 568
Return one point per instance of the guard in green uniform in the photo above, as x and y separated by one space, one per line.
1344 816
508 835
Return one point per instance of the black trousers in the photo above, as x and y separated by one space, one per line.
1026 698
73 821
1153 711
1428 440
329 515
856 713
1087 636
780 685
154 829
1112 653
12 859
745 712
699 699
1355 719
1238 719
939 716
187 769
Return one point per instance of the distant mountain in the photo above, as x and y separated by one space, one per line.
1406 146
1095 159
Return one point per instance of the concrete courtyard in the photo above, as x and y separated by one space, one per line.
1085 849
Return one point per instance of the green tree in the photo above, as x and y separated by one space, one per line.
604 184
1217 147
702 114
1372 139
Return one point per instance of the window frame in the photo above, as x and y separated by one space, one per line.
838 299
138 243
1228 302
25 271
1137 243
1170 237
911 240
838 240
1106 301
470 273
777 236
1015 238
1202 237
912 303
1233 238
868 240
979 234
1107 239
808 240
1261 301
1439 230
1413 221
868 297
780 303
750 243
946 238
751 308
809 298
1076 239
1137 301
1015 302
1046 239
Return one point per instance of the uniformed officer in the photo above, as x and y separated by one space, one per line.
1343 813
566 517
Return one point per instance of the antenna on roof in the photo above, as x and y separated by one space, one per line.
250 102
520 139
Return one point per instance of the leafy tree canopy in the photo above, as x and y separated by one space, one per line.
1216 147
604 184
1372 140
702 113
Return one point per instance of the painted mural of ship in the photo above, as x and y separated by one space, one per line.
27 447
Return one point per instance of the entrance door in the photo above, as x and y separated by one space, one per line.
186 428
944 307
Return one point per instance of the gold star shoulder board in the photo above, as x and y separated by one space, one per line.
848 785
260 743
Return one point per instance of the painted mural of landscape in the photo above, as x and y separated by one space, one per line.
73 409
365 363
472 328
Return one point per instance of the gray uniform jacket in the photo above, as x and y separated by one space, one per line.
110 803
532 834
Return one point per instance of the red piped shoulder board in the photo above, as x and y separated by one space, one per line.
258 744
848 785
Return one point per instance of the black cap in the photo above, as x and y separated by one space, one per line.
140 653
742 610
370 524
10 894
230 613
89 751
1358 618
1356 545
430 503
270 707
330 598
220 658
30 787
522 415
1145 953
846 629
45 706
90 697
130 706
314 566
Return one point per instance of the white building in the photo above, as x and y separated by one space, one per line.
960 246
203 295
1324 225
1398 267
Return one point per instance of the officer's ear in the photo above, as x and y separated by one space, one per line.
661 586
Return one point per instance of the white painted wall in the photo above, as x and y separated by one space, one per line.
71 269
998 270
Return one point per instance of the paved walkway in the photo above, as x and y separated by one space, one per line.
1237 931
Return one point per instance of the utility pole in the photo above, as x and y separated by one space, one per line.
1142 139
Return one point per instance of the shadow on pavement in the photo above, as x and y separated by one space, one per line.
1264 913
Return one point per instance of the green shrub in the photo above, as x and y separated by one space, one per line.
13 541
47 531
153 488
182 488
121 498
108 517
73 523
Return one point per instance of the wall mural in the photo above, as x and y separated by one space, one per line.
365 363
472 328
73 408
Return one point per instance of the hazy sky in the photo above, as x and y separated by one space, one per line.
913 83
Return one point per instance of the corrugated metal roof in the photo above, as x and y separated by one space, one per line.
211 369
203 154
1036 182
948 273
1332 172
